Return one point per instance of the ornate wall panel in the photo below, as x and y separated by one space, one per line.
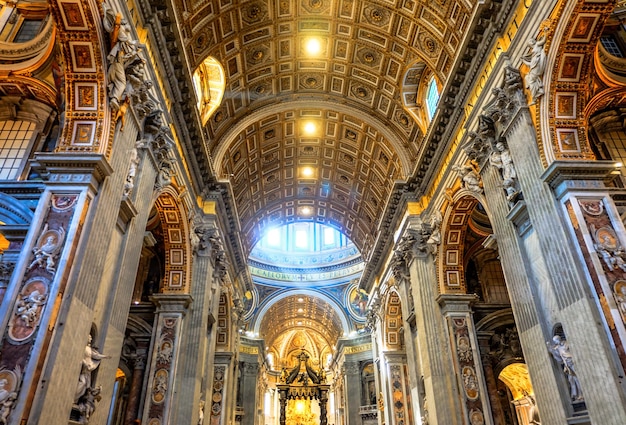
570 91
81 73
39 290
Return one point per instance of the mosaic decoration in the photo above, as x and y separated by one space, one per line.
163 366
35 295
467 369
357 302
217 396
609 282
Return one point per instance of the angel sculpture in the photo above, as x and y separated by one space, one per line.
47 249
470 177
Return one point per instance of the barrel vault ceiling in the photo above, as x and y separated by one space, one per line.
358 92
363 94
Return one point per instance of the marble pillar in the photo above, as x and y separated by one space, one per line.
442 406
469 374
171 311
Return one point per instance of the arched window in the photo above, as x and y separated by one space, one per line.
432 98
209 83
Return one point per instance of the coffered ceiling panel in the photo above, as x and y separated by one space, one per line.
303 312
351 87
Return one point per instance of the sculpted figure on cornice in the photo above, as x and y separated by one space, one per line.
470 178
373 314
210 244
507 99
124 50
480 141
501 159
536 60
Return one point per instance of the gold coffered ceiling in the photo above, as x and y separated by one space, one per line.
302 312
352 89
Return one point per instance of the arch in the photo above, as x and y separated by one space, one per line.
385 130
569 69
393 324
178 256
452 249
337 308
12 211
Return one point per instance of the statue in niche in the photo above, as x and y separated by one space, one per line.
559 348
47 249
501 159
87 404
132 172
470 177
91 361
200 412
536 61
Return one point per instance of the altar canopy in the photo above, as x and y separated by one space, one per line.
303 384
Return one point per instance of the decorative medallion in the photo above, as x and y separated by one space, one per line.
254 12
595 207
356 299
376 15
28 309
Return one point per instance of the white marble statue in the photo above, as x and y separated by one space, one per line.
201 412
470 177
559 348
91 361
536 62
501 159
123 50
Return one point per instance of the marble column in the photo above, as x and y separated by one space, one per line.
352 386
457 311
249 396
193 360
171 311
441 406
135 391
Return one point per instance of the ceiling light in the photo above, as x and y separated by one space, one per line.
310 128
300 310
299 323
313 46
306 210
307 172
300 300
